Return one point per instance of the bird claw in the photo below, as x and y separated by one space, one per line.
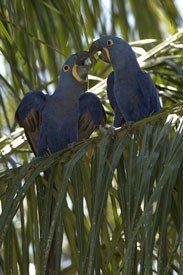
102 129
127 125
111 132
71 145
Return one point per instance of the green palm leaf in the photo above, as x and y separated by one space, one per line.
118 200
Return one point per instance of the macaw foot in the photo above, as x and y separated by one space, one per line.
128 125
111 132
71 145
102 129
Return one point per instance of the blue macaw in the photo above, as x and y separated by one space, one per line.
131 91
53 122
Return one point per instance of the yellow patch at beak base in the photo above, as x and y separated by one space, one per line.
107 54
76 75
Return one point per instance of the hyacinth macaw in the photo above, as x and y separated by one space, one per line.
131 91
53 122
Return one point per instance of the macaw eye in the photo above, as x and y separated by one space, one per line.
66 68
110 42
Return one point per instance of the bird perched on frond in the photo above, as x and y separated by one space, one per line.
53 122
131 92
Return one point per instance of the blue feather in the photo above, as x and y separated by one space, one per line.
89 102
33 100
132 93
51 122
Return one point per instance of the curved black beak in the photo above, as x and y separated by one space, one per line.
95 47
81 57
82 69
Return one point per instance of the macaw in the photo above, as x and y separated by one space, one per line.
53 122
131 91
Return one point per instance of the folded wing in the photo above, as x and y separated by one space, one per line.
92 115
149 92
28 115
118 118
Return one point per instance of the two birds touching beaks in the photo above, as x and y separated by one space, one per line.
69 115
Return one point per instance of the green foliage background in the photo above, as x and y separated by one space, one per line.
123 212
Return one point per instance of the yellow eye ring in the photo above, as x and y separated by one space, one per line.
110 42
66 68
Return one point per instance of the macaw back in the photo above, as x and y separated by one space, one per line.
136 95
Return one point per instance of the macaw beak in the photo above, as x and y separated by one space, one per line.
83 71
95 47
81 57
80 70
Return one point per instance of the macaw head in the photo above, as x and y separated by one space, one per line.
114 50
75 69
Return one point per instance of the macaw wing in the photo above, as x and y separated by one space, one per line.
150 93
28 115
31 126
118 118
92 115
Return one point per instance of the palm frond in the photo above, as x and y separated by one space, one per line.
118 200
129 187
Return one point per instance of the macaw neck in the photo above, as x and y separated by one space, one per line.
126 65
69 90
124 59
126 76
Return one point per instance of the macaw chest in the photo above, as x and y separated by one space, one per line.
58 114
129 99
61 106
